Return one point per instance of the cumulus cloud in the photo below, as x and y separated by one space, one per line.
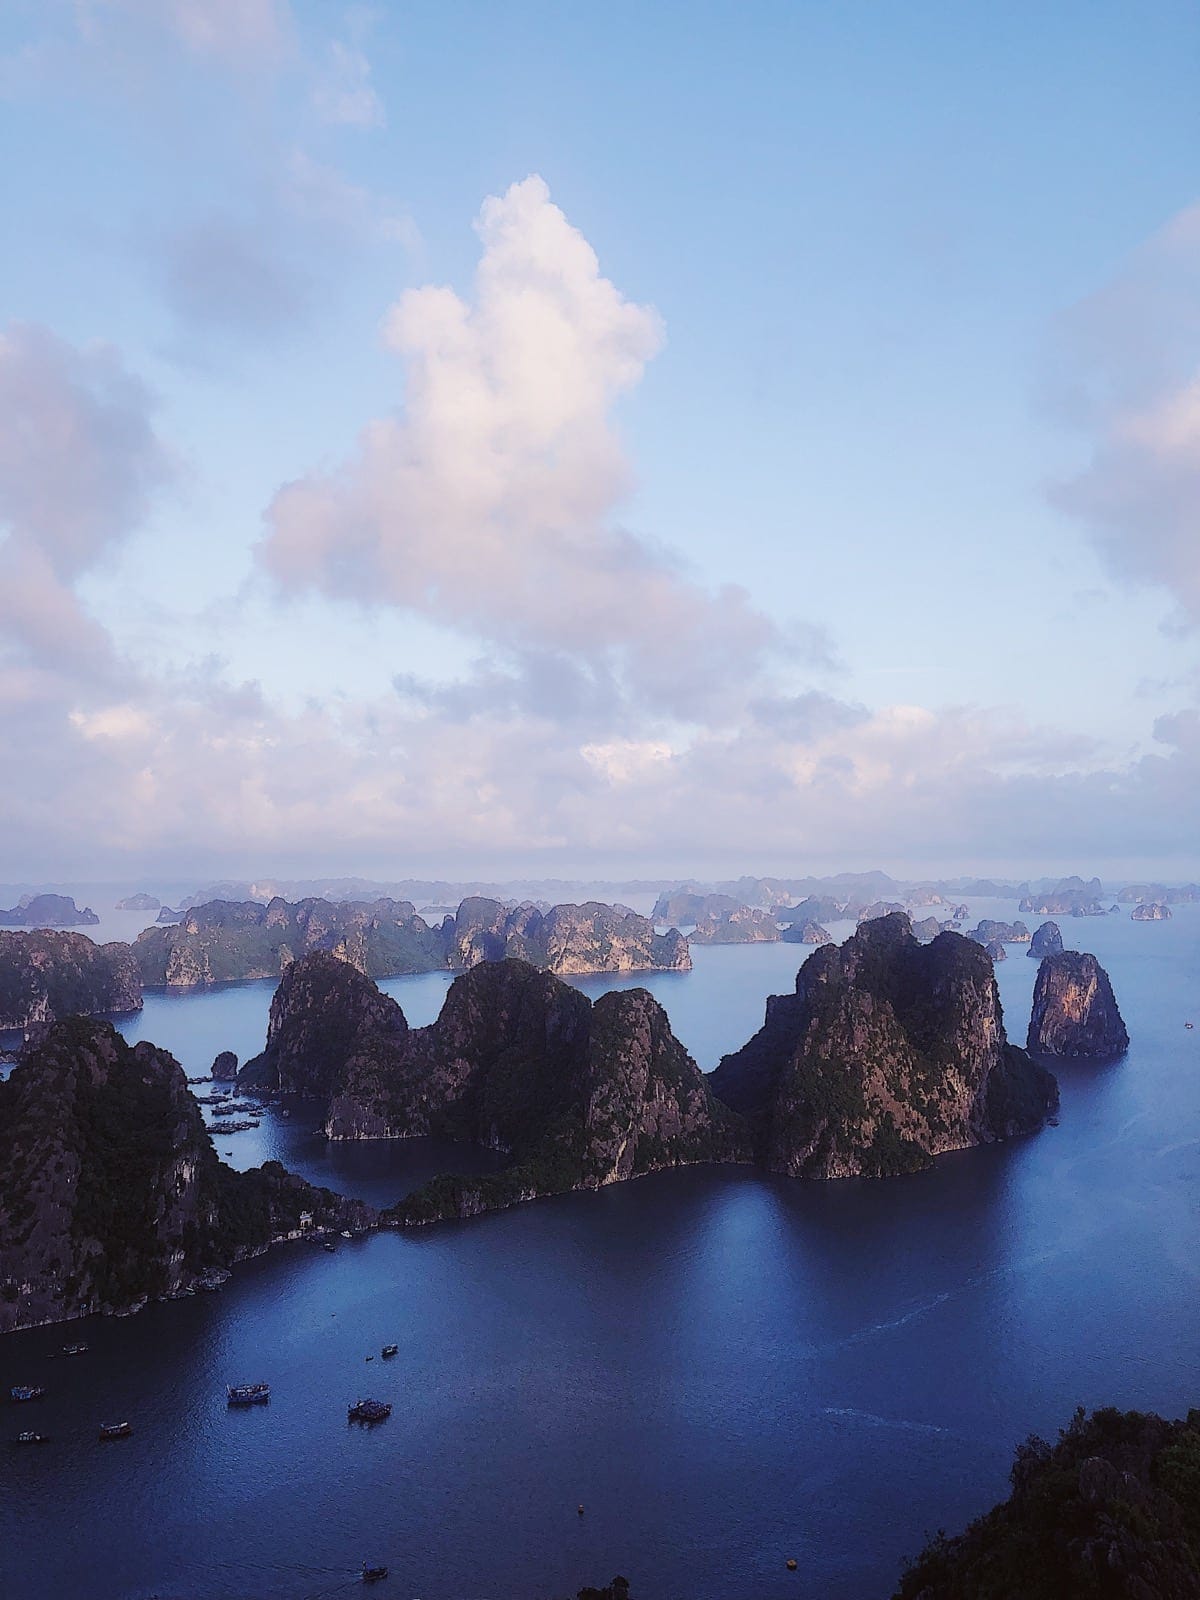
489 503
1133 355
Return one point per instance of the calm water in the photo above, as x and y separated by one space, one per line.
726 1371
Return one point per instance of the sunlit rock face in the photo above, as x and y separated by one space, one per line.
110 1190
742 926
1074 1009
888 1053
45 976
1155 911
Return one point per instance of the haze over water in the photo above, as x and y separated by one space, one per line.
726 1370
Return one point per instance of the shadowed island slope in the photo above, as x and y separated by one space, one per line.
110 1189
578 1094
1110 1512
889 1053
45 976
224 940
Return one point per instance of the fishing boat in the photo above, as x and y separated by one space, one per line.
115 1430
390 1349
369 1411
74 1350
326 1245
26 1391
31 1438
248 1394
346 1234
373 1574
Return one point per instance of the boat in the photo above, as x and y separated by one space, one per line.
74 1350
248 1394
346 1234
390 1349
369 1411
326 1245
26 1391
115 1430
31 1438
373 1574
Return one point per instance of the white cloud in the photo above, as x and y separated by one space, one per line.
1132 353
344 93
489 503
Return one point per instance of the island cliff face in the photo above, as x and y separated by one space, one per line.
227 940
1074 1009
48 911
1154 912
578 1095
743 926
110 1189
45 976
688 907
889 1053
1046 941
571 939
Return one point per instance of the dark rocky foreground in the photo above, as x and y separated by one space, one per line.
1110 1512
1074 1009
46 976
110 1190
579 1095
888 1053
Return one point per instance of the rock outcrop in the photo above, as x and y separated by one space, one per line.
996 951
1046 941
1112 1510
889 1053
743 926
224 1067
807 933
1068 903
139 902
988 931
229 939
45 976
1074 1009
687 907
570 939
1153 911
110 1190
577 1095
226 940
815 908
48 911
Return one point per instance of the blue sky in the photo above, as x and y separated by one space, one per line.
891 324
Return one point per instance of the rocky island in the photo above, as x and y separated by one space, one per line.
1046 940
743 926
139 902
807 933
110 1190
1074 1009
1112 1511
225 940
48 911
1152 911
989 931
888 1053
577 1095
45 976
687 907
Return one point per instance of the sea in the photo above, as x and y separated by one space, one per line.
689 1380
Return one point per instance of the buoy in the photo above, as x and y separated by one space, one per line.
580 1510
791 1566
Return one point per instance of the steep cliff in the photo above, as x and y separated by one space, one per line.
45 976
578 1095
592 937
1074 1009
48 911
888 1053
743 926
225 940
807 933
1110 1512
1155 911
1046 941
110 1189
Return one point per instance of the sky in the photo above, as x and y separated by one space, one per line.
490 439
